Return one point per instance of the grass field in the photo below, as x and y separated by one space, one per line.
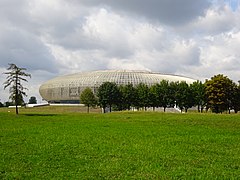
58 143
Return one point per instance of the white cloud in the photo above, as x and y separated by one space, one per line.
217 20
221 52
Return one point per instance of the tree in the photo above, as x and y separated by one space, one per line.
32 100
236 98
172 94
88 98
142 94
159 94
184 98
198 92
108 95
7 104
14 79
128 96
219 93
164 91
154 96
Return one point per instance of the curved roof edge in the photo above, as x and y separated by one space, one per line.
131 71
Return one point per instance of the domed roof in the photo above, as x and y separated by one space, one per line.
69 87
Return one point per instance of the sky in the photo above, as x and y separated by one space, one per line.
198 39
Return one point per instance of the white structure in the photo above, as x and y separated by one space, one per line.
67 89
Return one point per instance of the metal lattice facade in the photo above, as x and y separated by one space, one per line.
69 87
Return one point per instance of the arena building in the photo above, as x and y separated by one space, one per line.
67 89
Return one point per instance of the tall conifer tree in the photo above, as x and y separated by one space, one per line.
14 80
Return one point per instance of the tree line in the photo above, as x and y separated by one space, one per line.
219 94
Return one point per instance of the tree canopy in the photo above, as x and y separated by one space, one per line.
236 98
127 96
142 96
219 93
88 98
32 100
108 95
198 95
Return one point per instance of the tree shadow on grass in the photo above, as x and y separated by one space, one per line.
36 114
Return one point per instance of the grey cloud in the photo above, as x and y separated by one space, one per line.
173 12
13 10
24 49
75 40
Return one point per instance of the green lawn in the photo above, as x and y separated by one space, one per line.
128 145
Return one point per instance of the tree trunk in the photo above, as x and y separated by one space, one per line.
88 109
207 109
164 109
16 95
16 108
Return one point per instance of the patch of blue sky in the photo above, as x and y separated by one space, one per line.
234 4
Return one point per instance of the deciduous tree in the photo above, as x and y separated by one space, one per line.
88 98
128 96
142 94
236 98
184 98
198 92
166 98
108 95
154 96
32 100
219 91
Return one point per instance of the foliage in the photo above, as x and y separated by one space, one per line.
172 93
183 96
119 146
198 95
128 96
167 94
142 96
236 98
14 80
219 91
88 98
108 95
1 104
7 104
32 100
154 96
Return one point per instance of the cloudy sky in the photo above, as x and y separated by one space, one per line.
197 38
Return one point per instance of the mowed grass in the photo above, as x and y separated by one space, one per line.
127 145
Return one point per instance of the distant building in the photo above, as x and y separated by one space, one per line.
67 89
